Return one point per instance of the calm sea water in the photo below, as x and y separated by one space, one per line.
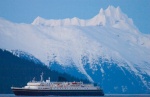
107 95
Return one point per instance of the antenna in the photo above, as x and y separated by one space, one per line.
33 79
41 76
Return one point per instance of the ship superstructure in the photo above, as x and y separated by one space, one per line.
43 88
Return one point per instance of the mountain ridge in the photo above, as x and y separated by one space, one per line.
110 17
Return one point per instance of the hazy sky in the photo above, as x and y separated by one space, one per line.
25 11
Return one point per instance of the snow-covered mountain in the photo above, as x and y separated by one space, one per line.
107 49
111 17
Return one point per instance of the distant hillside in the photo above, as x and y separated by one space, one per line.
15 71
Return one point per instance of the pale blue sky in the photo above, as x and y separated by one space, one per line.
25 11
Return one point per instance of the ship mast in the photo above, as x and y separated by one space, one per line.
41 76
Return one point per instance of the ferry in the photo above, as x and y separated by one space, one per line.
48 88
